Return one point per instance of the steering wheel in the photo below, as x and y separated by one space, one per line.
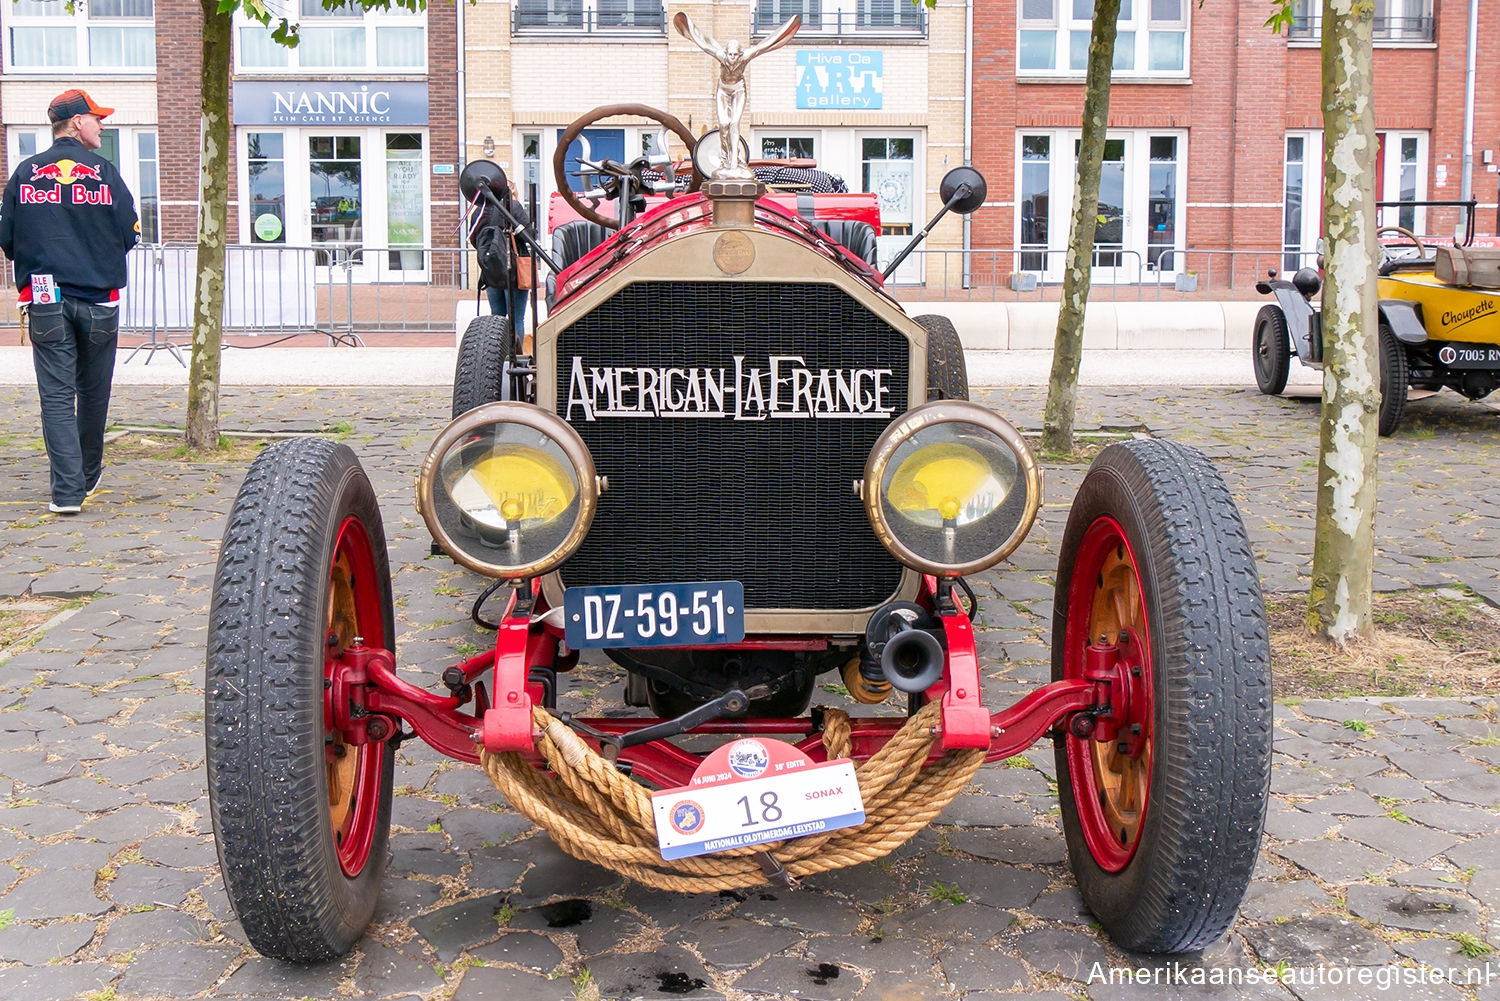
1394 255
587 207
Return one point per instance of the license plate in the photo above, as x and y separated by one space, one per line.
717 817
1469 356
637 615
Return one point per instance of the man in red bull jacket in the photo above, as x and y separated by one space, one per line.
67 221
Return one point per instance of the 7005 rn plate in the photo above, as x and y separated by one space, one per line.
637 615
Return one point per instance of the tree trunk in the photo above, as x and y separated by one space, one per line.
1338 605
208 301
1062 387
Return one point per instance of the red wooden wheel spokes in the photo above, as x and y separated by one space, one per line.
355 610
1111 778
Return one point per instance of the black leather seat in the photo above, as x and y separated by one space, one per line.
856 236
570 242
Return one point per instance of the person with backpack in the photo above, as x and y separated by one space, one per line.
490 233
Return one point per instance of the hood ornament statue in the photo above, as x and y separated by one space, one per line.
729 96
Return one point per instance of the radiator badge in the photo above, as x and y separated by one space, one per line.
784 387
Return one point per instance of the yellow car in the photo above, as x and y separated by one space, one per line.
1439 321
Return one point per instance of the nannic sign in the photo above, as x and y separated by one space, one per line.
323 102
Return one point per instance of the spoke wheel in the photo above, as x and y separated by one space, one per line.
1273 350
1158 602
1395 376
355 771
301 810
1114 776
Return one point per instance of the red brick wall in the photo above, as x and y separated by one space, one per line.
1248 87
442 131
179 26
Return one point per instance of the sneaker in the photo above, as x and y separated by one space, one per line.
57 508
91 491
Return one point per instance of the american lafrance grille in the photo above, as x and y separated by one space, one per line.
734 470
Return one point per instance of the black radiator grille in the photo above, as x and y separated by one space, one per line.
769 502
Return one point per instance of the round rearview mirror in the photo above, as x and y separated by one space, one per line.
963 177
486 170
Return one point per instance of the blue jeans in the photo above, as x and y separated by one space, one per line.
73 349
517 311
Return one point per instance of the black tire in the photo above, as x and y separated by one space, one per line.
479 376
275 616
1395 376
1156 517
1271 350
947 373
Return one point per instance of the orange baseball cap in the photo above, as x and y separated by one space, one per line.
75 102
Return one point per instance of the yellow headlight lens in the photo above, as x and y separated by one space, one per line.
508 490
951 488
949 481
513 485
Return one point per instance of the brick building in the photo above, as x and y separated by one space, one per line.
1215 127
347 143
354 139
873 89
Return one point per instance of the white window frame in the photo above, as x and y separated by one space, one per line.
373 263
1310 210
863 18
553 17
757 136
1390 172
1397 23
912 270
372 22
1135 247
636 137
80 21
130 156
1132 58
1390 169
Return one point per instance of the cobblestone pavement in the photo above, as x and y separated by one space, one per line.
1382 847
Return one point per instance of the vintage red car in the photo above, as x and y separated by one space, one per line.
733 462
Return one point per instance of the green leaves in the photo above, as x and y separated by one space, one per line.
1281 16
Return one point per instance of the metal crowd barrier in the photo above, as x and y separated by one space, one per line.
1020 274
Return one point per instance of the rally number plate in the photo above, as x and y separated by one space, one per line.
715 817
637 615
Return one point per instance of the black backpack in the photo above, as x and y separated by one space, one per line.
493 244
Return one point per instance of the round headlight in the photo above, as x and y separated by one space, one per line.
508 490
951 488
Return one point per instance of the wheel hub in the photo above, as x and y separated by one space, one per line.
1110 755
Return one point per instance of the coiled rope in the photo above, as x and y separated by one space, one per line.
596 813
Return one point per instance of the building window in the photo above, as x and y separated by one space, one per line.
1161 203
345 38
106 35
1294 224
267 189
404 196
888 168
1401 176
132 150
546 16
1140 209
147 189
531 169
1151 37
788 148
1396 21
1036 201
840 17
